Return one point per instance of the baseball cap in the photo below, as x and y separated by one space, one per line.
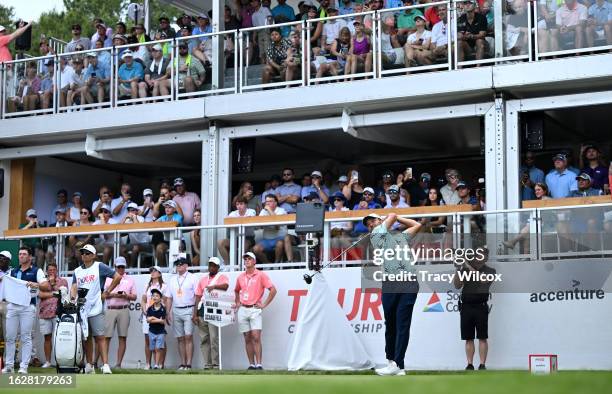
368 190
316 173
2 28
120 36
387 174
183 44
356 22
100 24
156 291
560 156
30 212
49 62
60 210
371 216
312 196
178 181
417 15
170 203
88 248
120 262
147 192
250 254
6 253
426 175
127 53
92 54
157 47
215 260
155 268
77 194
105 206
394 188
338 195
203 16
584 176
590 146
132 205
343 178
461 184
181 261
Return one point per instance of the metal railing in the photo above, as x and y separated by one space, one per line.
518 33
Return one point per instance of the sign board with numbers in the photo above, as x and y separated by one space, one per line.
219 308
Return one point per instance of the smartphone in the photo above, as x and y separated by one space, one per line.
354 174
93 75
481 181
121 292
409 172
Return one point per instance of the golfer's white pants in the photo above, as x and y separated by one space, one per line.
19 319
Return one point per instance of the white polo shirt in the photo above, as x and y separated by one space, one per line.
181 288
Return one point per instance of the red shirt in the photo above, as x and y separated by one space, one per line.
5 54
431 15
251 286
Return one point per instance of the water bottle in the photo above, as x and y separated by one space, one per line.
138 365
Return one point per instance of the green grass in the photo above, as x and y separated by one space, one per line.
270 382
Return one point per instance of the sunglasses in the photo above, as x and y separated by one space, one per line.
86 253
368 194
338 199
287 174
393 192
84 213
315 177
105 211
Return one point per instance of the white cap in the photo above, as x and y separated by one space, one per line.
316 173
215 260
89 248
132 205
92 54
170 203
147 192
120 262
30 212
250 254
156 268
157 47
2 28
371 216
6 253
127 53
343 178
369 190
106 206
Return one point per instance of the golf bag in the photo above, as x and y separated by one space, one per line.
68 334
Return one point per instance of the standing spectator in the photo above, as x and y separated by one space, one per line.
353 191
571 19
119 205
156 79
250 287
419 191
463 191
367 202
283 13
105 199
138 240
97 78
130 74
181 301
65 78
60 218
6 39
260 17
156 319
273 236
395 202
340 231
35 244
449 191
19 318
108 31
141 34
156 282
209 333
77 40
473 308
341 183
170 216
561 181
194 237
74 211
289 192
117 308
188 201
102 34
406 21
530 175
165 29
242 210
246 191
431 13
317 187
592 164
62 200
346 7
120 28
244 13
147 207
47 309
302 11
584 187
203 27
275 181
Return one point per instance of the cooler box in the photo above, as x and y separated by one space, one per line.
542 363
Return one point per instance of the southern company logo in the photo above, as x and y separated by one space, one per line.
433 305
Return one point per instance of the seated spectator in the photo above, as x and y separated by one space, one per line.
571 19
73 96
75 208
65 78
293 61
485 9
130 74
449 191
471 33
164 29
273 236
97 78
141 34
392 52
156 80
27 97
106 242
194 237
433 224
517 28
201 47
561 181
336 62
35 244
273 184
340 231
530 175
170 215
331 30
592 164
246 192
599 23
140 51
188 201
76 241
120 28
191 72
541 193
406 21
276 54
360 55
316 30
242 210
119 39
547 26
418 44
317 187
394 201
108 31
192 43
77 41
584 187
46 85
165 194
388 180
138 240
439 36
367 202
185 20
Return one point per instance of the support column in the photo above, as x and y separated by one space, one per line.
218 58
513 156
21 194
498 12
224 192
495 165
209 193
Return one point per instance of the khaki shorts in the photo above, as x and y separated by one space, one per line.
124 91
46 326
119 317
249 319
181 321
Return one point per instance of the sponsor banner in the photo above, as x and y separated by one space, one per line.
577 329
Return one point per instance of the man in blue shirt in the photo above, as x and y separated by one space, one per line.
97 77
283 13
346 7
289 192
317 187
530 175
584 187
130 73
561 181
203 27
367 202
599 22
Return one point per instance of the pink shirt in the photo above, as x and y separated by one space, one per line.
571 17
5 53
188 202
252 286
48 306
222 280
126 285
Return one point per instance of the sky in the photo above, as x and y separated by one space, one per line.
31 9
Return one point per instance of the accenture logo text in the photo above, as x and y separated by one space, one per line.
567 295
